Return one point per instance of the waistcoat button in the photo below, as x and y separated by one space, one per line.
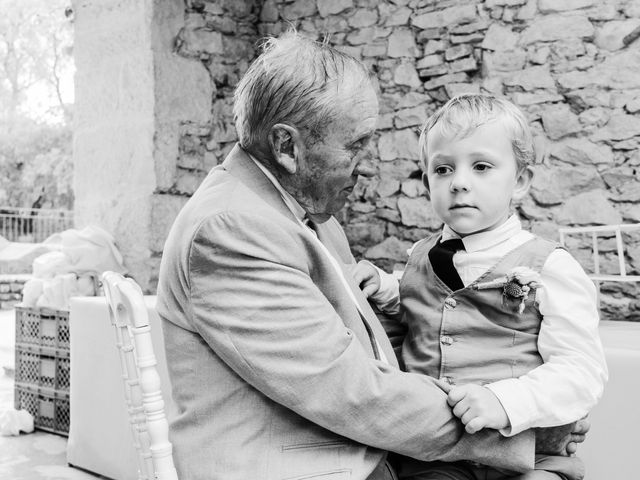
450 303
446 340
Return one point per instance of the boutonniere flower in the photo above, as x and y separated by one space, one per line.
516 284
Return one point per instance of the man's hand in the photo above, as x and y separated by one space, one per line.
477 407
366 277
562 440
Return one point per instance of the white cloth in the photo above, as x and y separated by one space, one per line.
572 378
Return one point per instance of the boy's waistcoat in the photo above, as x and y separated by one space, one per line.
470 336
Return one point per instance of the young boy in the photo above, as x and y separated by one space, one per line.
507 319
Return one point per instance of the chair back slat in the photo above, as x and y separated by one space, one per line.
142 385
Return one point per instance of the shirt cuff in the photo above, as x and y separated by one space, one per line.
517 404
387 298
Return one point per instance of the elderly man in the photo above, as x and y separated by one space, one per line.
279 367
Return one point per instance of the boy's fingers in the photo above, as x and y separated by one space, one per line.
460 409
474 425
456 394
369 289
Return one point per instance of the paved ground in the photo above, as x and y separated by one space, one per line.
34 456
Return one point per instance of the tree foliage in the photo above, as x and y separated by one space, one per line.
35 144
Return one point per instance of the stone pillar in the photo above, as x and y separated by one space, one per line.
131 95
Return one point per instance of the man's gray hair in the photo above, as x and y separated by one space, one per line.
296 81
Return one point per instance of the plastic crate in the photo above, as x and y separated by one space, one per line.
42 367
42 327
50 408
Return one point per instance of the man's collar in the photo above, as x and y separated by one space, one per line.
291 202
488 239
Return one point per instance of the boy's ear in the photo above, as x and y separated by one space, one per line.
425 182
523 183
284 142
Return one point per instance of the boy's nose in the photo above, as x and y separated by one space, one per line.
459 182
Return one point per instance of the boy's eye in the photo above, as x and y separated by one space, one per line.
482 167
442 170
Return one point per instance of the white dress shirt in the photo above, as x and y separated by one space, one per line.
571 380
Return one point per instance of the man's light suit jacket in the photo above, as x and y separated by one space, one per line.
272 367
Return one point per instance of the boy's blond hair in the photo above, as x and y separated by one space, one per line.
461 115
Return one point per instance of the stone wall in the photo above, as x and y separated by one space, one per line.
573 66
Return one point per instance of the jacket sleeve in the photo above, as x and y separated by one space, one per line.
254 302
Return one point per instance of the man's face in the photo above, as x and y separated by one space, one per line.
329 166
472 180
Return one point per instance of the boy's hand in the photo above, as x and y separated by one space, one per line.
477 407
366 277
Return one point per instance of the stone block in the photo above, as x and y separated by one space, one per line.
619 127
413 188
361 36
391 248
610 36
499 37
398 17
449 16
554 6
299 9
494 63
430 61
443 80
504 3
557 27
365 233
417 212
387 187
597 116
528 11
164 210
559 121
467 64
532 78
333 7
406 74
454 89
16 288
5 287
458 51
434 46
525 99
374 50
589 208
472 38
633 106
363 17
401 43
399 169
410 117
553 185
269 12
398 144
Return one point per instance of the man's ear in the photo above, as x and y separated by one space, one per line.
523 183
425 182
284 141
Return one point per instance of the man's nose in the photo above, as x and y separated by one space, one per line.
365 168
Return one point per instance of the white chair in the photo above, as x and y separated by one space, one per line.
145 405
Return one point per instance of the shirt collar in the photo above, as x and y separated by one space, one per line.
488 239
291 202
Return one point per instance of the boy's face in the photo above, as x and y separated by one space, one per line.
472 180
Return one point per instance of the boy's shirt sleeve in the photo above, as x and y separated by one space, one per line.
571 380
